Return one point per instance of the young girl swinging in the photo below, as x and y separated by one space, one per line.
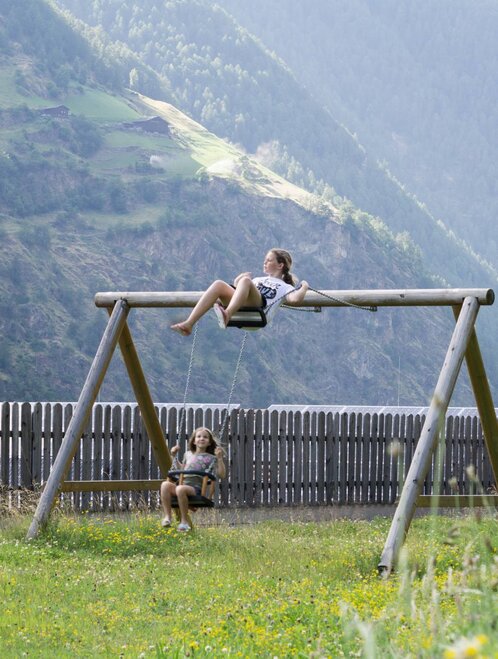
268 292
203 455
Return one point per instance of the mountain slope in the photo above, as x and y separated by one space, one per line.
104 202
226 79
55 267
415 82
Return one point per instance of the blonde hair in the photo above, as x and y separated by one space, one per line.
283 256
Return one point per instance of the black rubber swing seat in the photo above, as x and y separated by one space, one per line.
248 318
202 500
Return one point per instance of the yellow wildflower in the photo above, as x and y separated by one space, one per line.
466 648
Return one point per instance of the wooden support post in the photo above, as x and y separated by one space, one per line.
80 418
435 417
144 400
484 399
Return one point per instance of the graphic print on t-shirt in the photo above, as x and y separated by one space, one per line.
267 289
273 292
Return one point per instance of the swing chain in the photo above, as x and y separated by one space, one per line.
232 388
329 297
183 412
348 304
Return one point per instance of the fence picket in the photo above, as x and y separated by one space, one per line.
5 444
282 457
87 446
320 459
26 446
258 458
57 431
15 432
273 450
47 441
336 447
394 448
37 443
98 432
351 441
250 466
290 479
298 462
313 458
358 459
265 458
387 458
365 460
306 458
461 456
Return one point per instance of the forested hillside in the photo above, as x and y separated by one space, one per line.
105 189
415 81
229 81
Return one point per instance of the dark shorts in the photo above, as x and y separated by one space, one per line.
197 488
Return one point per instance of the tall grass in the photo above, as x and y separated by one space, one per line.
97 586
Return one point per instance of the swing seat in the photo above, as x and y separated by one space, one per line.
202 500
248 318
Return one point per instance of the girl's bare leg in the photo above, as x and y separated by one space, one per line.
167 489
182 493
246 294
218 290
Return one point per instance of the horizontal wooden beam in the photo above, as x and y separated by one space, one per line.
376 298
110 486
458 501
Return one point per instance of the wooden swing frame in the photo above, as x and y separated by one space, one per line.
463 344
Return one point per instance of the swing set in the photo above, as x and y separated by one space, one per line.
463 345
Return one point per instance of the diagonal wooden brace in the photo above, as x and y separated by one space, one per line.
80 418
421 460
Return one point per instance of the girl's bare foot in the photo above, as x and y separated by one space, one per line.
182 328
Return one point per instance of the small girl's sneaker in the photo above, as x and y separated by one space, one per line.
166 522
183 528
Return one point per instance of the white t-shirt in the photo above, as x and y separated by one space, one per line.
273 291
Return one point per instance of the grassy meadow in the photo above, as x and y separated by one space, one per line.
124 587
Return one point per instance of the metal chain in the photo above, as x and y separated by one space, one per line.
314 310
189 373
334 299
237 366
232 388
318 309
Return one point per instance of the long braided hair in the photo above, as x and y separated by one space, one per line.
283 256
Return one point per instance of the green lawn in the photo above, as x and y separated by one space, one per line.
127 138
100 106
126 148
125 587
